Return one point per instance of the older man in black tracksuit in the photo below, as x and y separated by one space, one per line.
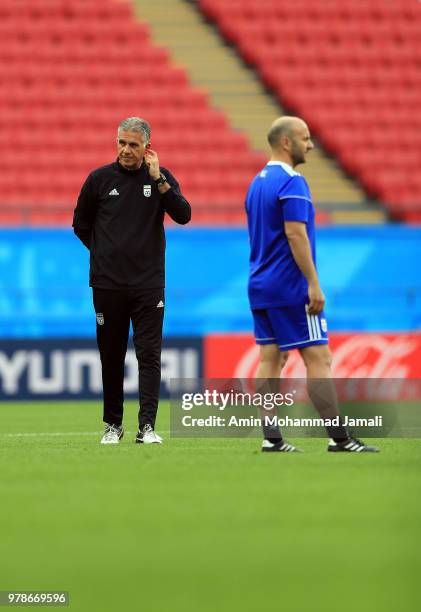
119 218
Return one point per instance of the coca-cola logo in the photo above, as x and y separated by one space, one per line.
354 356
374 356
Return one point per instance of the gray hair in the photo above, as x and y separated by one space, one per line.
135 124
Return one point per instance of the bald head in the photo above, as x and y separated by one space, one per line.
284 126
289 139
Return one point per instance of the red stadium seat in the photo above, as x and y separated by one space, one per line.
353 65
63 92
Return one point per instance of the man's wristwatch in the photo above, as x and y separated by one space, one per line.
161 180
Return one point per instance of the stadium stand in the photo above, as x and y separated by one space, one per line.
70 71
352 69
236 89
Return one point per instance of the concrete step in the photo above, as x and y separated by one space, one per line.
358 217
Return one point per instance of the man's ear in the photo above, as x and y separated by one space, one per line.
286 141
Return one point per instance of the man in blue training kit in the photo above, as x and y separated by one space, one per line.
284 291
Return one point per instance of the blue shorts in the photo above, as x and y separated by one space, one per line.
289 327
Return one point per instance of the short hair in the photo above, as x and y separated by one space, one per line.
283 126
136 124
276 132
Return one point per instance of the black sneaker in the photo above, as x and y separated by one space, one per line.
352 445
112 434
279 447
147 435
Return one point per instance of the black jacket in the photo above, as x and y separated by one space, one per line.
120 218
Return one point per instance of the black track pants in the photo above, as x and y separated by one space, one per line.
114 311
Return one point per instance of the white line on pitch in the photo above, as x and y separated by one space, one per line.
35 434
47 434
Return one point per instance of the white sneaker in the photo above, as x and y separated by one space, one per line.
112 434
148 436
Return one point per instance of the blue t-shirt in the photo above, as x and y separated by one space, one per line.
277 194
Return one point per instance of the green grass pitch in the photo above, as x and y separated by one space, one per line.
203 525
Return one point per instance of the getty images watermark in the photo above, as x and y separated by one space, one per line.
268 402
240 408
